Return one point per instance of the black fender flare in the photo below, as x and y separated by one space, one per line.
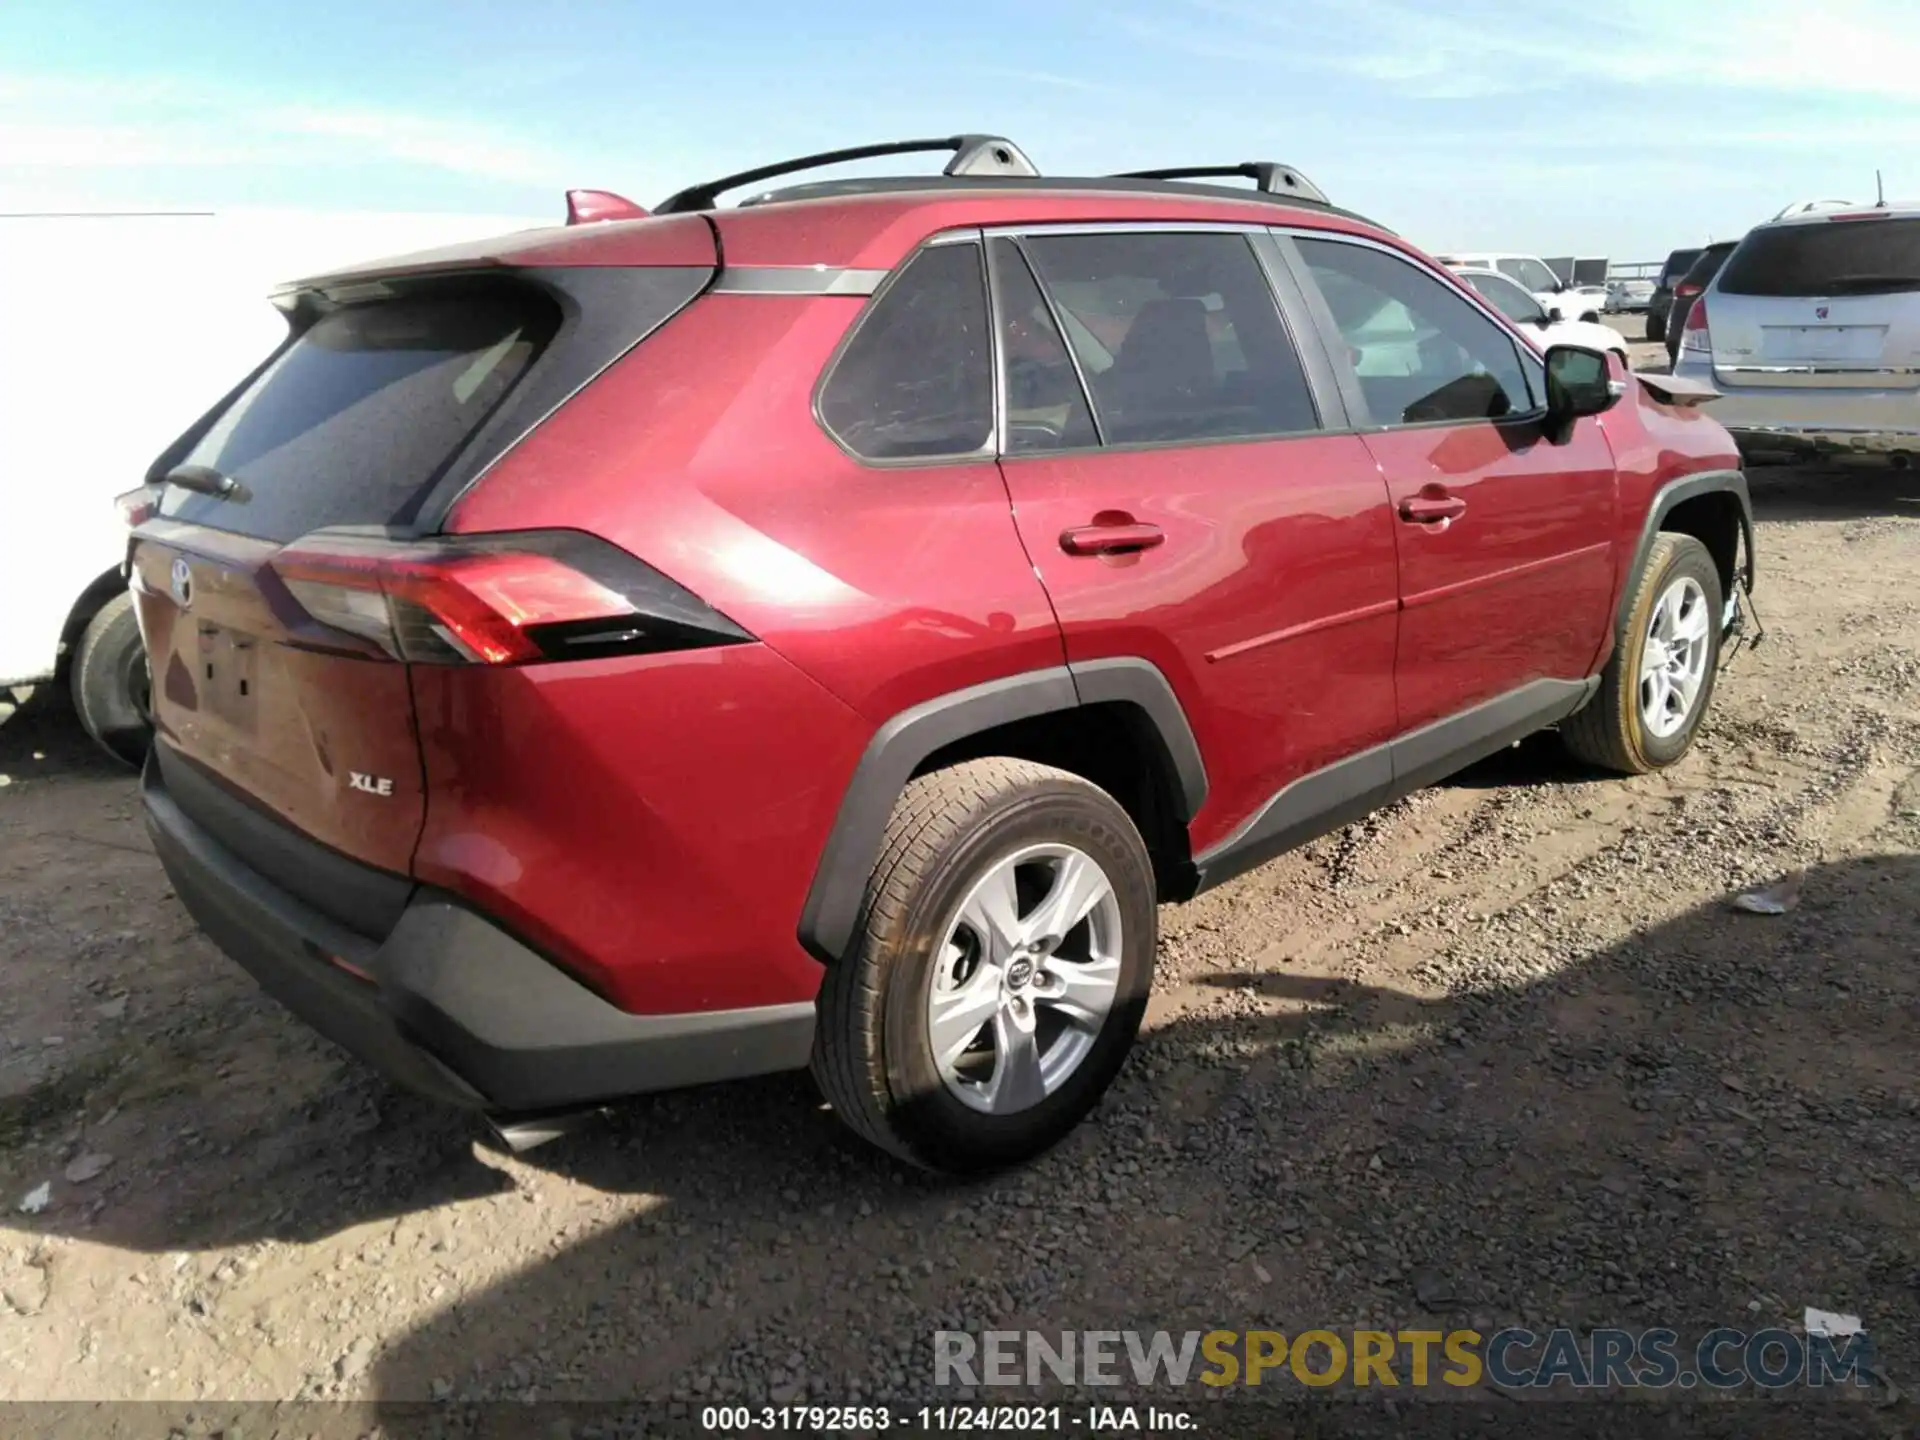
1665 499
899 747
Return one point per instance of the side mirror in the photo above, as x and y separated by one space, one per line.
1579 383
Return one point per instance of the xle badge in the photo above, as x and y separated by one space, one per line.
371 784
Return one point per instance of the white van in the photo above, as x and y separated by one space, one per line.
122 330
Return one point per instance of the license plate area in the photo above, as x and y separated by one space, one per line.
1825 342
226 675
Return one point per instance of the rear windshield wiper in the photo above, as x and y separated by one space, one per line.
205 480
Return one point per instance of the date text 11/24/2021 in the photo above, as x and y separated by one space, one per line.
942 1419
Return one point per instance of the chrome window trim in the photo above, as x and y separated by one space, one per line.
1818 369
1038 228
798 280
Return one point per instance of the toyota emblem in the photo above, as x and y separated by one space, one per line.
182 582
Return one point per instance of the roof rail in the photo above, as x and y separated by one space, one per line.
1270 177
973 156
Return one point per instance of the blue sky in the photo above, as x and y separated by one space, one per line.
1460 123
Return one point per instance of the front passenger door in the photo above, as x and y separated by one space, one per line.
1506 540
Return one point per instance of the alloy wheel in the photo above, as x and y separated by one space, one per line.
1024 978
1673 662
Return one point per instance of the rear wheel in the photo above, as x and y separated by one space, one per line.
1656 688
1001 970
111 688
1656 327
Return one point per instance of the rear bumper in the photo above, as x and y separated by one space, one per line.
1795 419
1817 440
452 1006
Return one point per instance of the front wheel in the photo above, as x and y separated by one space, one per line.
110 684
1001 969
1658 684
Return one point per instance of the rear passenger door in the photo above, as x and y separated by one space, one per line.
1178 492
1506 541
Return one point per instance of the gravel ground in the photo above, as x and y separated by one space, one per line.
1502 1053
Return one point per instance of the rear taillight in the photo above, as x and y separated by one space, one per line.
1696 336
1683 290
508 599
136 507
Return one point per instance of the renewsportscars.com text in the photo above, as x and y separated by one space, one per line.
1513 1358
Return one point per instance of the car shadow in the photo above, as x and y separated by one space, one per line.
1708 1123
44 740
1733 1091
1538 760
1836 490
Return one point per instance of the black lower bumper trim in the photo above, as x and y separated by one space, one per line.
454 1006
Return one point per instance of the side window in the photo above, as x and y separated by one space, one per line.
1177 334
1421 352
916 380
1506 297
1046 407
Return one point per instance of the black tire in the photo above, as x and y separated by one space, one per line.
1609 731
1656 327
872 1056
110 684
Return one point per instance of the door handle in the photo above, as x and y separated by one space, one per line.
1432 509
1110 539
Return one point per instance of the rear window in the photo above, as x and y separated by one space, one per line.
1708 264
1829 257
354 421
1677 264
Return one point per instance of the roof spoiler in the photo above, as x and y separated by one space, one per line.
584 207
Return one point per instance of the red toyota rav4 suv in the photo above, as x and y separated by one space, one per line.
818 631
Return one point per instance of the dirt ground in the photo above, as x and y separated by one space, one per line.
1502 1053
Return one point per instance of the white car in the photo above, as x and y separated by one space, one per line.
1629 296
138 326
1543 329
1556 296
1810 334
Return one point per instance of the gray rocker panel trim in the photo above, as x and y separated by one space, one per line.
1347 790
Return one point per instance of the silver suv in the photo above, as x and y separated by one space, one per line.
1811 334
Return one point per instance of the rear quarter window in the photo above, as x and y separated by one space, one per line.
1828 257
915 379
